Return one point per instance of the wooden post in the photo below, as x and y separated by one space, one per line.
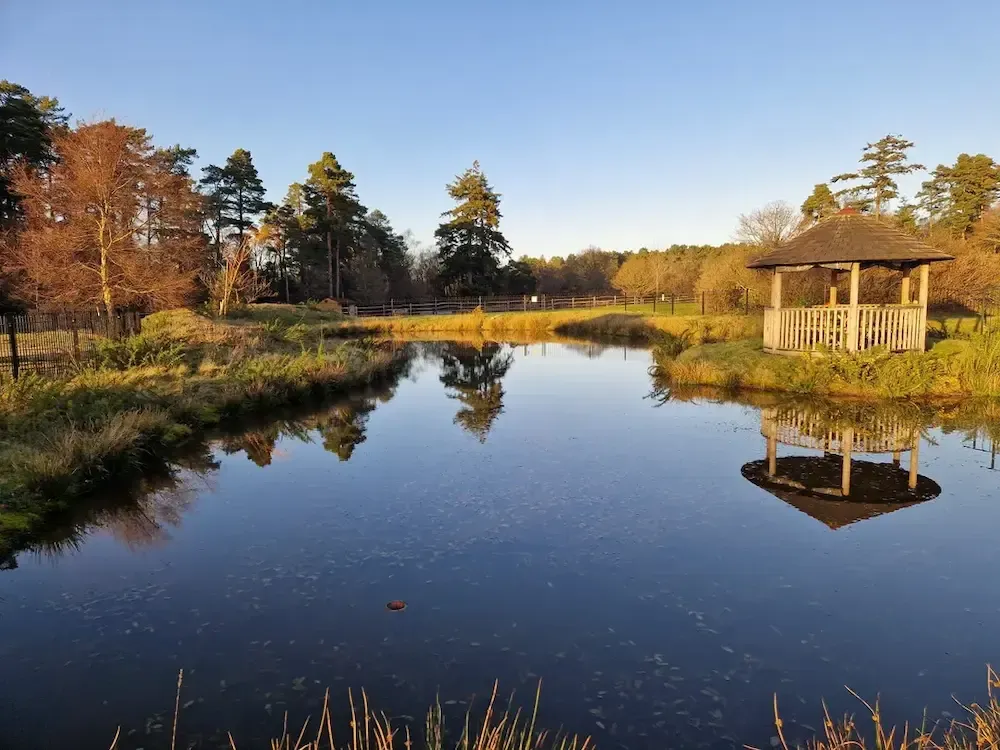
846 446
925 272
904 289
15 362
776 290
914 458
833 288
76 338
746 301
672 298
896 458
702 303
852 312
772 455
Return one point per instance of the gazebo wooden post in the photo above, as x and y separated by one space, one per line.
776 290
772 455
904 289
914 458
846 446
852 311
833 288
925 273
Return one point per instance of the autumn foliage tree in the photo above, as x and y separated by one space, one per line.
83 240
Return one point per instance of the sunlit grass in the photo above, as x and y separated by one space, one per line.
599 323
949 369
978 729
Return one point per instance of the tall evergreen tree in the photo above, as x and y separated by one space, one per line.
234 196
332 192
244 192
470 244
957 196
884 160
820 204
27 125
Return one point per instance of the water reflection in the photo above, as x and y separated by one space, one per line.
137 514
836 488
473 375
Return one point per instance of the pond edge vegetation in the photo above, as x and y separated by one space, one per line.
149 395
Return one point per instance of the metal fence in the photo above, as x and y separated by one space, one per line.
56 343
670 304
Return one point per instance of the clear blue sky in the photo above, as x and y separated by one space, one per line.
620 124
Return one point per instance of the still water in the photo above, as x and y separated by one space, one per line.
665 565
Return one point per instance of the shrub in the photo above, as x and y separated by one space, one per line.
141 350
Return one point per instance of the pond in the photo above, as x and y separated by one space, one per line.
665 563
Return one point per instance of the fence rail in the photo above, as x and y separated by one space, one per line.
686 304
56 343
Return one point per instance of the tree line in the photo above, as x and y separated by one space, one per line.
95 214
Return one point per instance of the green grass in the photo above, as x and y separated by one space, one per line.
149 393
951 368
583 324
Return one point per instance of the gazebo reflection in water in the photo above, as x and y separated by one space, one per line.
836 488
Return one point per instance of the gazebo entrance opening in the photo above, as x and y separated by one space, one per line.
848 243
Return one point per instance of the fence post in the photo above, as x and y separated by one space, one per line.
15 362
626 303
702 303
76 339
481 300
672 298
746 306
410 309
524 302
654 303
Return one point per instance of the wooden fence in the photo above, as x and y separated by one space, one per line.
670 304
56 343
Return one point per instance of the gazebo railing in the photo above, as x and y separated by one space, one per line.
844 327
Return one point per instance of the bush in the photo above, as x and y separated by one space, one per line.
141 350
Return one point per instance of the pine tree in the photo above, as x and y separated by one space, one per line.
244 192
331 191
820 204
957 196
885 160
234 196
470 244
475 377
27 126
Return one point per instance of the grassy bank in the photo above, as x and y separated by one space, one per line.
951 368
581 324
147 394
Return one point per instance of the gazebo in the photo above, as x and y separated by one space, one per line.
848 242
837 488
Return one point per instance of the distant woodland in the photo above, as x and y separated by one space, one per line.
98 215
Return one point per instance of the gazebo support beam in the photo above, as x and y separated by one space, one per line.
925 276
776 290
904 290
852 313
833 288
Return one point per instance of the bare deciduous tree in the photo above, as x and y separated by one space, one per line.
235 282
84 239
769 226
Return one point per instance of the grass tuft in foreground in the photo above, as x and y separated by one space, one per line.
979 729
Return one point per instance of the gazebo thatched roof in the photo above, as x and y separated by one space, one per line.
850 237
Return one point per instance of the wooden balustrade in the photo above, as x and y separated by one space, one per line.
807 329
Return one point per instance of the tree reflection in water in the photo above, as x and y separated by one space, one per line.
137 514
474 375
